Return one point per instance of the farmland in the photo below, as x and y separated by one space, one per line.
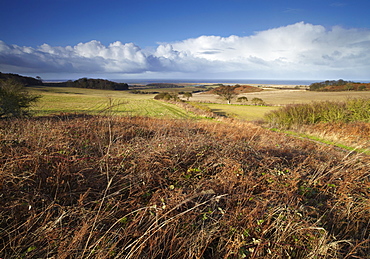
75 100
112 174
64 99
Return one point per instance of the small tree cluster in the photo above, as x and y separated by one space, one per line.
166 96
15 101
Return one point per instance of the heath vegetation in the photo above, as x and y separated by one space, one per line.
133 187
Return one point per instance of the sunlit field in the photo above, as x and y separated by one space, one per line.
282 97
75 100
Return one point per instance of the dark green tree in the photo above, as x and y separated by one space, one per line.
15 100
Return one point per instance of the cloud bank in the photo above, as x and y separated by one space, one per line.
300 50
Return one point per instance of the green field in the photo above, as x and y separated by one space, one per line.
57 100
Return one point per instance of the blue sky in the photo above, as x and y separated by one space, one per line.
192 39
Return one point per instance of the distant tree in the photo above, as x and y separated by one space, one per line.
15 101
242 99
166 96
227 92
39 79
258 101
350 87
187 95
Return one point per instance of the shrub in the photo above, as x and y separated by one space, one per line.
187 95
242 99
258 101
15 101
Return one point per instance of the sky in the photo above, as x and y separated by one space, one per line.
186 39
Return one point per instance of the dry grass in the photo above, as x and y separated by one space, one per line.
354 134
132 187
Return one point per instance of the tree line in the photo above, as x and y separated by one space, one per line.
24 80
91 84
97 84
339 85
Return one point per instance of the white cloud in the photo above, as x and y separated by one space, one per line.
299 50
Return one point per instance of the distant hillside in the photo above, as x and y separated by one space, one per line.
91 84
80 83
339 85
24 80
97 84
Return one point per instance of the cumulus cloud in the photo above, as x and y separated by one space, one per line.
300 50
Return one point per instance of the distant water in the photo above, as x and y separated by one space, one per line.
218 81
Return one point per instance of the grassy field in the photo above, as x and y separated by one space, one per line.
271 97
282 97
69 100
76 100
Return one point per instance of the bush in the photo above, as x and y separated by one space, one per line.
258 101
15 101
242 99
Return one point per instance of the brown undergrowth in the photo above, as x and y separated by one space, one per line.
112 187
